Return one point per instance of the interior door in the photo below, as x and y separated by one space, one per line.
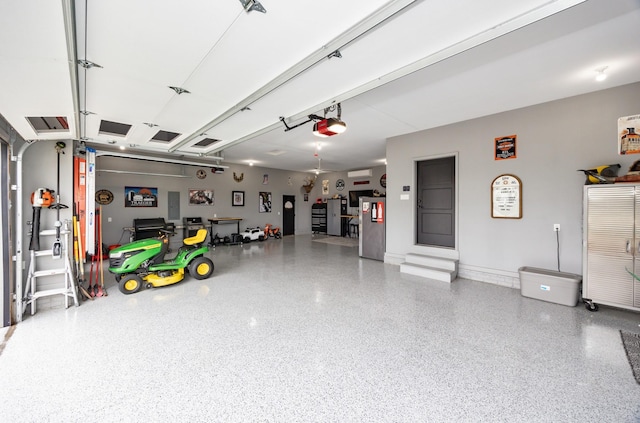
288 215
436 202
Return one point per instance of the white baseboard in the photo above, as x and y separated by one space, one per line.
493 276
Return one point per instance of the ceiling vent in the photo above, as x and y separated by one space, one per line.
114 128
165 136
205 142
359 173
50 124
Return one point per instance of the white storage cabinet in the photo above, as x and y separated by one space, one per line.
611 246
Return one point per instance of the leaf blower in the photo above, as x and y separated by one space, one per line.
41 197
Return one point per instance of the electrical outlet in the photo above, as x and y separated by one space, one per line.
556 227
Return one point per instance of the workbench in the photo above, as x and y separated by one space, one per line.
221 220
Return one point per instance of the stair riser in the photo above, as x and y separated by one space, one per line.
443 276
449 265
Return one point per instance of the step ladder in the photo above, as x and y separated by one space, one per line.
69 290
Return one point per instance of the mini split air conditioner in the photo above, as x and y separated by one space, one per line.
359 173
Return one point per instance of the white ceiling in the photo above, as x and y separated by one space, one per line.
405 66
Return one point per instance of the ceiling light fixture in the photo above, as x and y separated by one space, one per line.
601 76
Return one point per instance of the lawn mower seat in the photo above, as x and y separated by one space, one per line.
198 238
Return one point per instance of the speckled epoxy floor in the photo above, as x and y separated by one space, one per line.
298 331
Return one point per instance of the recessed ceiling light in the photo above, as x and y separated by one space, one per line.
600 75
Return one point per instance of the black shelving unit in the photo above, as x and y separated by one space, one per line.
319 218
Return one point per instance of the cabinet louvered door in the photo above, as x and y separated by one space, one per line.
610 244
636 261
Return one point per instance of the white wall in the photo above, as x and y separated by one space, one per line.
553 141
40 171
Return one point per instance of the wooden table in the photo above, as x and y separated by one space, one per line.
218 220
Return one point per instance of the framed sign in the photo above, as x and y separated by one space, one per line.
506 197
505 147
140 197
629 135
264 202
201 197
237 198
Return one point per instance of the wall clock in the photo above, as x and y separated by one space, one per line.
201 174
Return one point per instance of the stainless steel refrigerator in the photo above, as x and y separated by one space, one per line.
372 227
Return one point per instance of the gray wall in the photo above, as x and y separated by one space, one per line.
280 182
554 140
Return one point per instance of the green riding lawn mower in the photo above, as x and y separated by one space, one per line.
142 263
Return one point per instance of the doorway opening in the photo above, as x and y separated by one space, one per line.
288 215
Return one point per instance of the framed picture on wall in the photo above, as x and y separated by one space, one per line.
505 147
201 197
237 198
140 197
506 197
265 202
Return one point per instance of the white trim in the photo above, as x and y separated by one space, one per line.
487 275
394 258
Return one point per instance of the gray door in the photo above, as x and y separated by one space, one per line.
288 214
436 202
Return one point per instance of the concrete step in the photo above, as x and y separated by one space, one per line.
443 275
431 261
